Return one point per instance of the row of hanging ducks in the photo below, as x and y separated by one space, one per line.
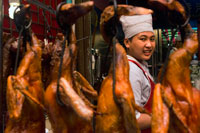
67 95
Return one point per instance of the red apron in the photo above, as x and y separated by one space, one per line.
149 102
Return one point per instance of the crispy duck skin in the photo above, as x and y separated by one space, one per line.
65 118
84 85
172 5
172 8
25 94
66 108
178 94
7 54
161 116
107 21
69 13
46 58
117 111
178 67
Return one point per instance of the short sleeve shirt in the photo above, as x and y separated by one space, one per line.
140 84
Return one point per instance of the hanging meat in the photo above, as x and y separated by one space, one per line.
68 107
67 103
176 103
25 94
117 106
46 58
69 13
107 18
8 55
170 8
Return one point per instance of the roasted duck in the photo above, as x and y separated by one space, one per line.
117 108
107 21
75 109
8 54
68 107
69 13
25 94
176 103
171 8
46 59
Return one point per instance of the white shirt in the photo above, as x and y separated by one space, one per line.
140 84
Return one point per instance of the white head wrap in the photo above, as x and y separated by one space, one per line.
133 25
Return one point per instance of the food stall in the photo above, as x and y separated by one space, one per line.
54 58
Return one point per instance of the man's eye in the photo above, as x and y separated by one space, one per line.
143 39
152 39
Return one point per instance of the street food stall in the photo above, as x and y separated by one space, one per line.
65 66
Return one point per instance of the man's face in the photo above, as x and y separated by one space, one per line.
141 46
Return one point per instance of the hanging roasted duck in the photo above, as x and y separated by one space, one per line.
171 8
117 106
25 94
107 18
68 107
176 103
46 58
8 55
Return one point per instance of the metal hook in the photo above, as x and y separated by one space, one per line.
28 25
20 18
188 14
63 27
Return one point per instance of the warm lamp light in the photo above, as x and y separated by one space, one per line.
13 5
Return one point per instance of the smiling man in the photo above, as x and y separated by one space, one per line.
140 44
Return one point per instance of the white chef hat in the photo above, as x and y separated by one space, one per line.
133 25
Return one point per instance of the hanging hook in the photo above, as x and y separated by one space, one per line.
59 18
188 14
23 22
22 18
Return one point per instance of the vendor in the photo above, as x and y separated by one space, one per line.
140 44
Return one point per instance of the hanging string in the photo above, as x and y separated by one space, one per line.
84 38
47 26
168 53
114 49
187 10
60 70
23 24
18 49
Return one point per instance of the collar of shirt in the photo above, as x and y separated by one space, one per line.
143 64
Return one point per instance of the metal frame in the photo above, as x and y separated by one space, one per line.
42 5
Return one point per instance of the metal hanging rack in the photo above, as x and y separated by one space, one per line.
43 6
